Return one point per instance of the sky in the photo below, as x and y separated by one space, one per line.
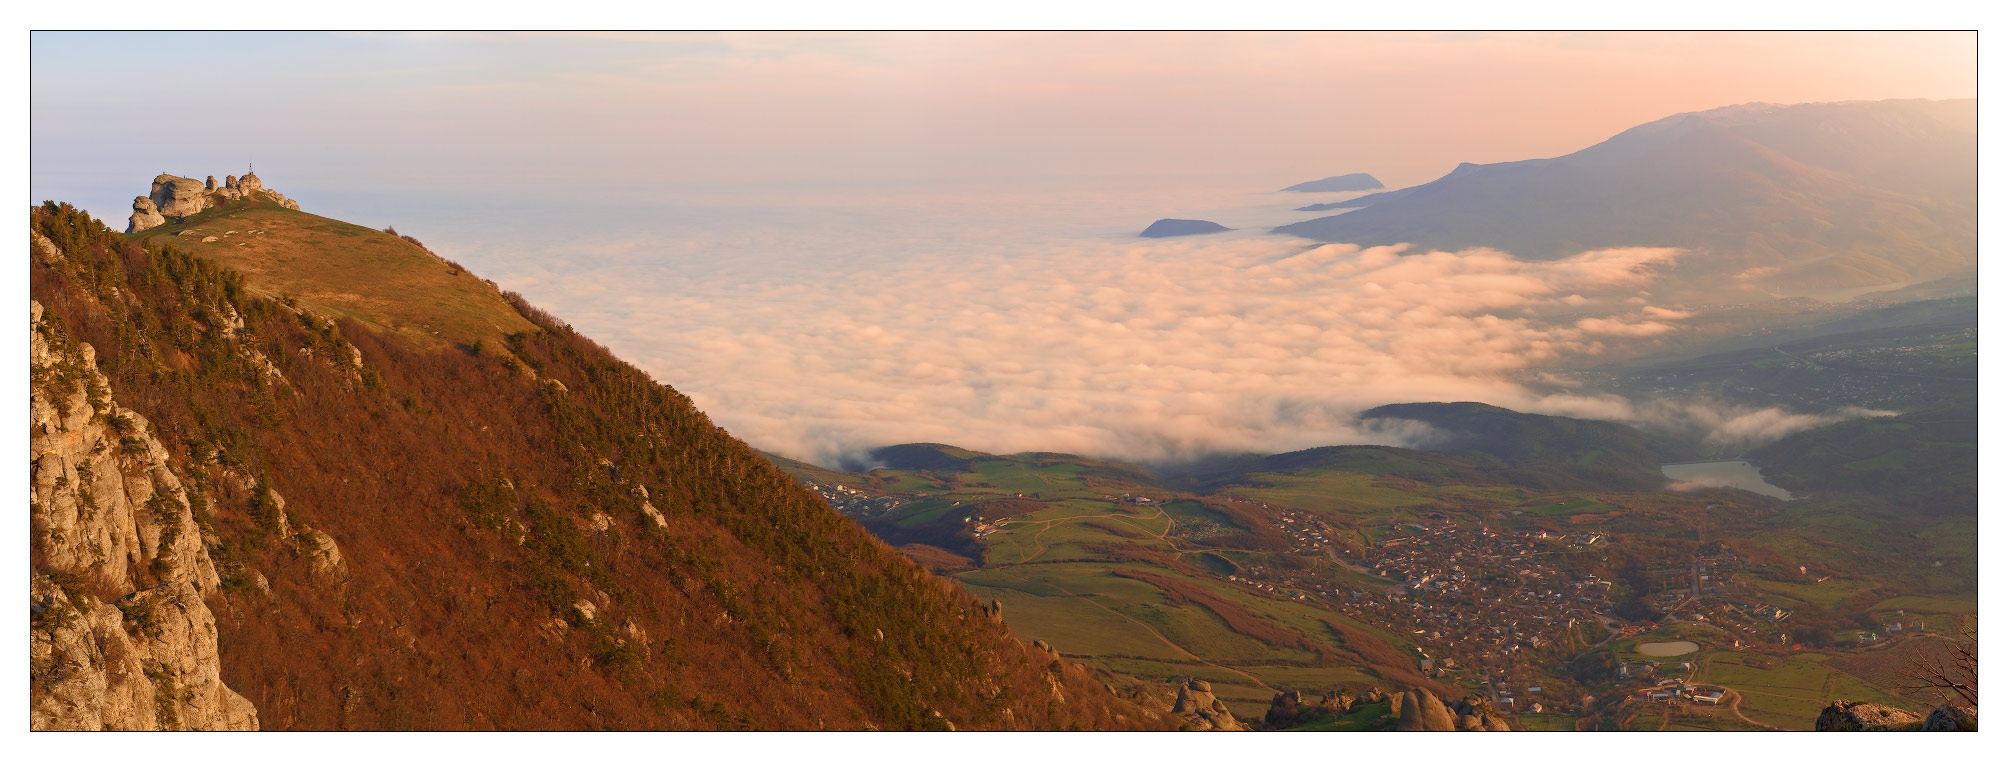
839 241
586 113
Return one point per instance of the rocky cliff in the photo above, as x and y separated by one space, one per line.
121 634
174 196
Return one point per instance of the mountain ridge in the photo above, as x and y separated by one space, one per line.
1802 199
512 533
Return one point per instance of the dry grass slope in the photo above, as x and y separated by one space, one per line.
334 267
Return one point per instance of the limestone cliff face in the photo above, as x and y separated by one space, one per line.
175 196
121 637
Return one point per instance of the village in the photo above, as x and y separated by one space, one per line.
855 503
1467 593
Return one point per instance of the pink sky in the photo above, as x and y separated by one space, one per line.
438 110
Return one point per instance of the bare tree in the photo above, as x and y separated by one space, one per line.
1951 673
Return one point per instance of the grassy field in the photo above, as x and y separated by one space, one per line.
1336 493
1790 692
348 270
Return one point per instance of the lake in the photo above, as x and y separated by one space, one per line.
1739 474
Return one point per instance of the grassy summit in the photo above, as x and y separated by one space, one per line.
334 267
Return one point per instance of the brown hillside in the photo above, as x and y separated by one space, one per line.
536 538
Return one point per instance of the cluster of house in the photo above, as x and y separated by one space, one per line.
855 503
1468 589
1680 691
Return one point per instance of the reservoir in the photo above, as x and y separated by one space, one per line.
1667 648
1738 474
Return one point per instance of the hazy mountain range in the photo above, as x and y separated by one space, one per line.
1801 200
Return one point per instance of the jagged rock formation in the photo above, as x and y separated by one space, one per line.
120 637
175 196
145 216
1950 717
1851 715
1419 709
1197 705
1292 708
1854 715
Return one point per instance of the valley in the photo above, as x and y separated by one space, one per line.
1356 567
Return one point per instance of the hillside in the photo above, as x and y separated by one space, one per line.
1804 200
1926 462
1611 454
344 270
500 526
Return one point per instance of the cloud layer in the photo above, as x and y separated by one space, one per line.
1137 349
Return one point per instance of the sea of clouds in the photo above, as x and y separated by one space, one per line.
818 323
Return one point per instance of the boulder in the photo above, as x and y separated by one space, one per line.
1853 715
1285 710
145 216
1950 717
179 196
323 556
1197 705
1421 710
1494 723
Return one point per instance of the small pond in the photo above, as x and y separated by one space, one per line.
1666 648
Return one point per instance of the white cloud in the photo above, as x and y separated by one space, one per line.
1116 347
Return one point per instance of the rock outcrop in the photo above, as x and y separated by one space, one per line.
120 636
1197 705
1950 717
1292 708
176 196
1422 710
1853 715
145 216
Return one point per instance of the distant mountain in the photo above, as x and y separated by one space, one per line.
1357 181
1167 228
1614 452
1360 202
1803 199
921 456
